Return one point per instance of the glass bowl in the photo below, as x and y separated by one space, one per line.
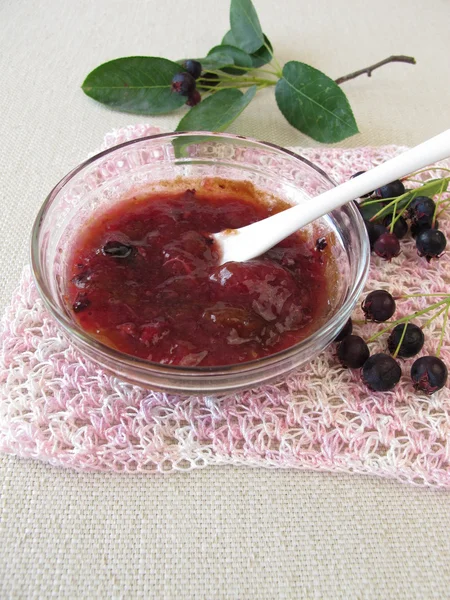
186 159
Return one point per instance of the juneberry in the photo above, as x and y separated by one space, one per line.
378 306
429 374
381 372
412 343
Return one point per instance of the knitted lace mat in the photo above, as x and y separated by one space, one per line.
58 407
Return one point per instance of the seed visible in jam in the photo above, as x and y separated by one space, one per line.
117 250
321 244
81 303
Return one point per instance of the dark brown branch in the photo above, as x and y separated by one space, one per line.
368 70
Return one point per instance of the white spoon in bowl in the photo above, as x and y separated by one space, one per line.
242 244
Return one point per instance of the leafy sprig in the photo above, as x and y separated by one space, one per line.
436 309
375 209
310 100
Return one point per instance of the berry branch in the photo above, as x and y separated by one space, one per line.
386 212
368 70
381 372
309 100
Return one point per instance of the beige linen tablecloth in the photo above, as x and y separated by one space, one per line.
222 532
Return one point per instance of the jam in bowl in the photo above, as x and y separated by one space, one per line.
122 257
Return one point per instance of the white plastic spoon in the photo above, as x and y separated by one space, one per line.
248 242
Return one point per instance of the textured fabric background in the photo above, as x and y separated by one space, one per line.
58 407
222 533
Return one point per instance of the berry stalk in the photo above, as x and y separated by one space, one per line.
444 325
409 318
402 337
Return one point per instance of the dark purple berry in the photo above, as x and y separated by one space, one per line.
390 190
345 331
194 98
417 228
193 67
400 226
81 303
117 249
412 342
183 84
381 372
353 352
431 243
429 374
387 246
421 210
378 306
374 230
357 175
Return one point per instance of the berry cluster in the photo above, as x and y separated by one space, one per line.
381 372
185 82
402 211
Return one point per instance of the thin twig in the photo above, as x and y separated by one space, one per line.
368 70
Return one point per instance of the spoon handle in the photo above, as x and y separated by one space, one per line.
255 239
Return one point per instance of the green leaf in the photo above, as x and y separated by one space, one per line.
237 56
183 145
261 57
431 188
370 210
216 61
314 104
217 111
228 39
136 84
245 26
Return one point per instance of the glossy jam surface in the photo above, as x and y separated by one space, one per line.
144 278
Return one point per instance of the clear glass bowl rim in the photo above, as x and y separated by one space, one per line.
144 366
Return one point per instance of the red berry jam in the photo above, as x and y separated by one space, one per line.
144 279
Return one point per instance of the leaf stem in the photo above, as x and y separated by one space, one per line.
388 207
245 69
236 84
269 50
402 337
435 316
279 70
224 78
446 204
393 221
426 171
406 296
408 318
444 325
368 70
270 72
369 202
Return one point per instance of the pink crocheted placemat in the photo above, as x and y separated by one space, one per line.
58 407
